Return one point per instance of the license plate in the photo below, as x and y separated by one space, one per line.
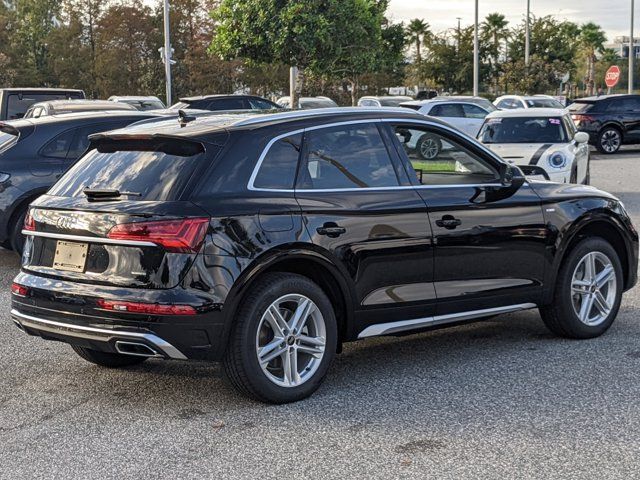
70 256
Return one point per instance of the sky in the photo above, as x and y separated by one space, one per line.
611 15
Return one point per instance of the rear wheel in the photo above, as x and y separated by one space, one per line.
283 341
428 147
588 291
106 359
15 230
609 140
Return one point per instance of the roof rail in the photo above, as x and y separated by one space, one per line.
320 111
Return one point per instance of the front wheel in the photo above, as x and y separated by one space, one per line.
283 341
588 291
609 140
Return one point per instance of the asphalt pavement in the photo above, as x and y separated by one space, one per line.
497 399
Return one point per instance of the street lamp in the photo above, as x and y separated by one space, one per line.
527 35
166 53
476 59
632 51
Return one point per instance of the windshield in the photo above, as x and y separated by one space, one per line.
18 104
523 130
146 175
543 103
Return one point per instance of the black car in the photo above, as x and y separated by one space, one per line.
267 241
14 102
216 103
610 120
35 152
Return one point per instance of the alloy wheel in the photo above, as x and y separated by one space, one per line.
610 141
429 149
290 340
593 288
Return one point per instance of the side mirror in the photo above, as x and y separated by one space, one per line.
581 137
506 174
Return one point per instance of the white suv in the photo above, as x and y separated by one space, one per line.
466 116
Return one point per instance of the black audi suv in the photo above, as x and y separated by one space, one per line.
35 152
610 120
267 241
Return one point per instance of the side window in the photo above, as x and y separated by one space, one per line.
351 156
278 168
473 111
505 104
449 110
81 141
228 104
440 160
59 146
257 104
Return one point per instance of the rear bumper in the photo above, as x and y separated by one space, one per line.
105 339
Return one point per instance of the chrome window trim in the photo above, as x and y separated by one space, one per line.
265 151
80 238
416 323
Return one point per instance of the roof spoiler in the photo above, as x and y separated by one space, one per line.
171 145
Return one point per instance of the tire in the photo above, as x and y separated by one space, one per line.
106 359
254 329
609 140
562 315
16 238
428 147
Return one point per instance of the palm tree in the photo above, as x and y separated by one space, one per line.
592 38
494 28
418 31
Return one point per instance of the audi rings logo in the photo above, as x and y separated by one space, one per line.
66 223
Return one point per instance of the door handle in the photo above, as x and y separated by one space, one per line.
331 230
448 222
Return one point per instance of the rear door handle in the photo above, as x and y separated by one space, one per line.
331 230
448 222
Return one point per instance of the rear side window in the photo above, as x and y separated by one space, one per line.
228 104
59 146
151 174
279 166
473 111
630 104
450 110
352 156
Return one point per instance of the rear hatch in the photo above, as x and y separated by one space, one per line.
118 216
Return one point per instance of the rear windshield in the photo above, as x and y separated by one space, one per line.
143 175
543 103
18 104
523 130
317 103
580 107
392 102
412 106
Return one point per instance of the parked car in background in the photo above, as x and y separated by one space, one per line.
225 103
541 141
306 103
139 102
233 242
510 102
35 152
481 101
14 102
59 107
466 116
610 120
384 101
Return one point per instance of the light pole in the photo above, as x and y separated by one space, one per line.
167 53
527 34
476 59
632 50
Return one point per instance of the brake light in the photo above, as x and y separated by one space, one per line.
29 223
147 308
184 236
582 118
19 290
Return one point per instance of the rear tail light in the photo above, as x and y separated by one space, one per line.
184 236
29 223
582 118
147 308
19 290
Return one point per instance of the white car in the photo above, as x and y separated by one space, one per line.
464 115
306 103
541 141
513 102
385 101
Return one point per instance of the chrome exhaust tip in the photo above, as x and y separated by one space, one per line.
137 349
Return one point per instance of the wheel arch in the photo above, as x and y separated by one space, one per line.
20 205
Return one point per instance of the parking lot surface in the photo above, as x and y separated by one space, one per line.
497 399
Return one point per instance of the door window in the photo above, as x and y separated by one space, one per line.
352 156
449 110
440 160
473 111
505 104
278 168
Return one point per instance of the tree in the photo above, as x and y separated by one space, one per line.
417 31
592 38
494 30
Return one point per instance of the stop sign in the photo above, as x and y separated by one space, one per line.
612 76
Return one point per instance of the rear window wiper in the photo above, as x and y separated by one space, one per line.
105 193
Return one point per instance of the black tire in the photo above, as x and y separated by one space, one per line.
16 238
241 364
106 359
560 316
609 140
428 153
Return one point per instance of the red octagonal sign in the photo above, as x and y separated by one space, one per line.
612 76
